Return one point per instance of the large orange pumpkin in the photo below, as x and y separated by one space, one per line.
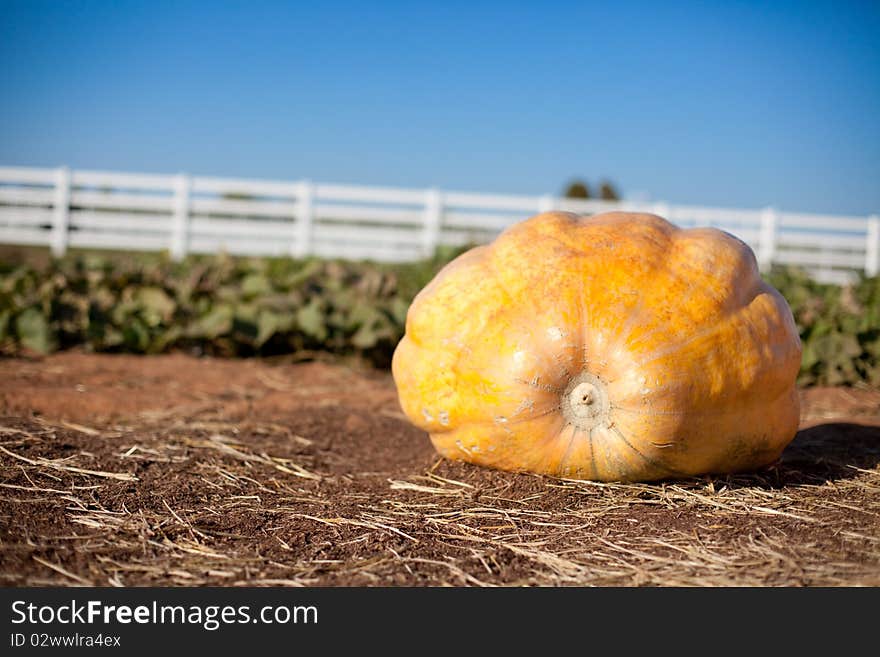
615 347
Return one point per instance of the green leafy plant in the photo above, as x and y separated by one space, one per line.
839 327
218 305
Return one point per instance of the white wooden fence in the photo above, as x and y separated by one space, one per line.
90 209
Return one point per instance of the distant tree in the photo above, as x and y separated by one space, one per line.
607 192
577 189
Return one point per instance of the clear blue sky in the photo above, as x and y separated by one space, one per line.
727 103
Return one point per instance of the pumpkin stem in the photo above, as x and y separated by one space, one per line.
585 401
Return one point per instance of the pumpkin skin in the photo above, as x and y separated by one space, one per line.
613 348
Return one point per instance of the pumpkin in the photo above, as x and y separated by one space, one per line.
617 347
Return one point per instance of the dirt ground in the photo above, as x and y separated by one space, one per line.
173 470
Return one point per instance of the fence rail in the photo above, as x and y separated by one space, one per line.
62 208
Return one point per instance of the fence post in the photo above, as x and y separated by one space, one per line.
872 250
180 217
546 203
61 213
767 238
433 220
305 219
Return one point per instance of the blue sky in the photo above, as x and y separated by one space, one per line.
726 103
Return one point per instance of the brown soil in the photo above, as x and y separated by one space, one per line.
171 470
